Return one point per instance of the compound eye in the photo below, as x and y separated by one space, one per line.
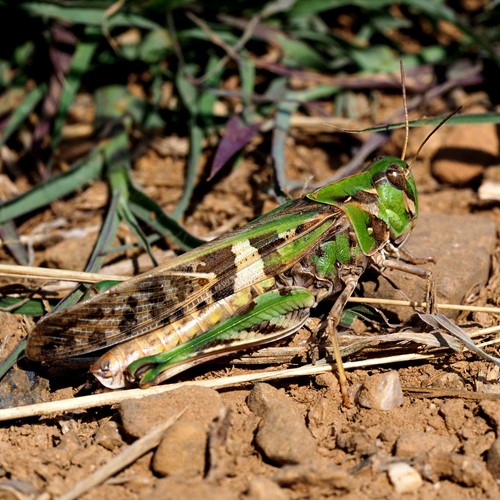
396 176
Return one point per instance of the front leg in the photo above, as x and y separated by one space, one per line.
430 282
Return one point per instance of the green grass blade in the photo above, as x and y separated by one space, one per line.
22 111
153 215
106 237
7 363
195 149
53 189
80 64
19 305
9 237
87 13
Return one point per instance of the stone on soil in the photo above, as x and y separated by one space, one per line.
182 450
464 157
493 460
381 391
199 404
315 473
462 246
492 410
282 435
108 435
261 488
458 468
404 477
453 412
178 488
413 443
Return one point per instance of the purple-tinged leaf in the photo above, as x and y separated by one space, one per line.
238 135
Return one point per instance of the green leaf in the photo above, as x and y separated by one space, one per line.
80 63
152 214
22 111
53 189
81 13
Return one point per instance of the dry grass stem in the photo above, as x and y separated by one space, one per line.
114 397
16 271
129 455
431 392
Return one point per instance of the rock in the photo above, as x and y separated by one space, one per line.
404 477
413 443
177 488
453 413
464 241
489 190
381 391
261 488
199 404
282 435
108 435
182 450
357 441
492 410
461 469
493 460
317 473
464 156
264 397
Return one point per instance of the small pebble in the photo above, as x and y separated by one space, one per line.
381 391
315 473
463 157
404 477
182 451
414 443
199 404
493 460
262 488
453 412
458 468
108 435
282 435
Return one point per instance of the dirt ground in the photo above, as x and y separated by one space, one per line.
282 439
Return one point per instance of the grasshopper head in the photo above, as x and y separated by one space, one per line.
397 199
108 370
380 202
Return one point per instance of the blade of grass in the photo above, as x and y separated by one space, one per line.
87 14
106 236
286 108
19 305
147 210
84 172
80 64
118 173
10 238
16 353
22 111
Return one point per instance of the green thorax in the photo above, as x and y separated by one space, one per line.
381 202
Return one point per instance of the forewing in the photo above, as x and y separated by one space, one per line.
218 269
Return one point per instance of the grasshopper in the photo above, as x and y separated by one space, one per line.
255 285
249 287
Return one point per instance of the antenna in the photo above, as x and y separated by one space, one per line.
405 105
424 142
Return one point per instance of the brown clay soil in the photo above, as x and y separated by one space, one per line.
285 439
